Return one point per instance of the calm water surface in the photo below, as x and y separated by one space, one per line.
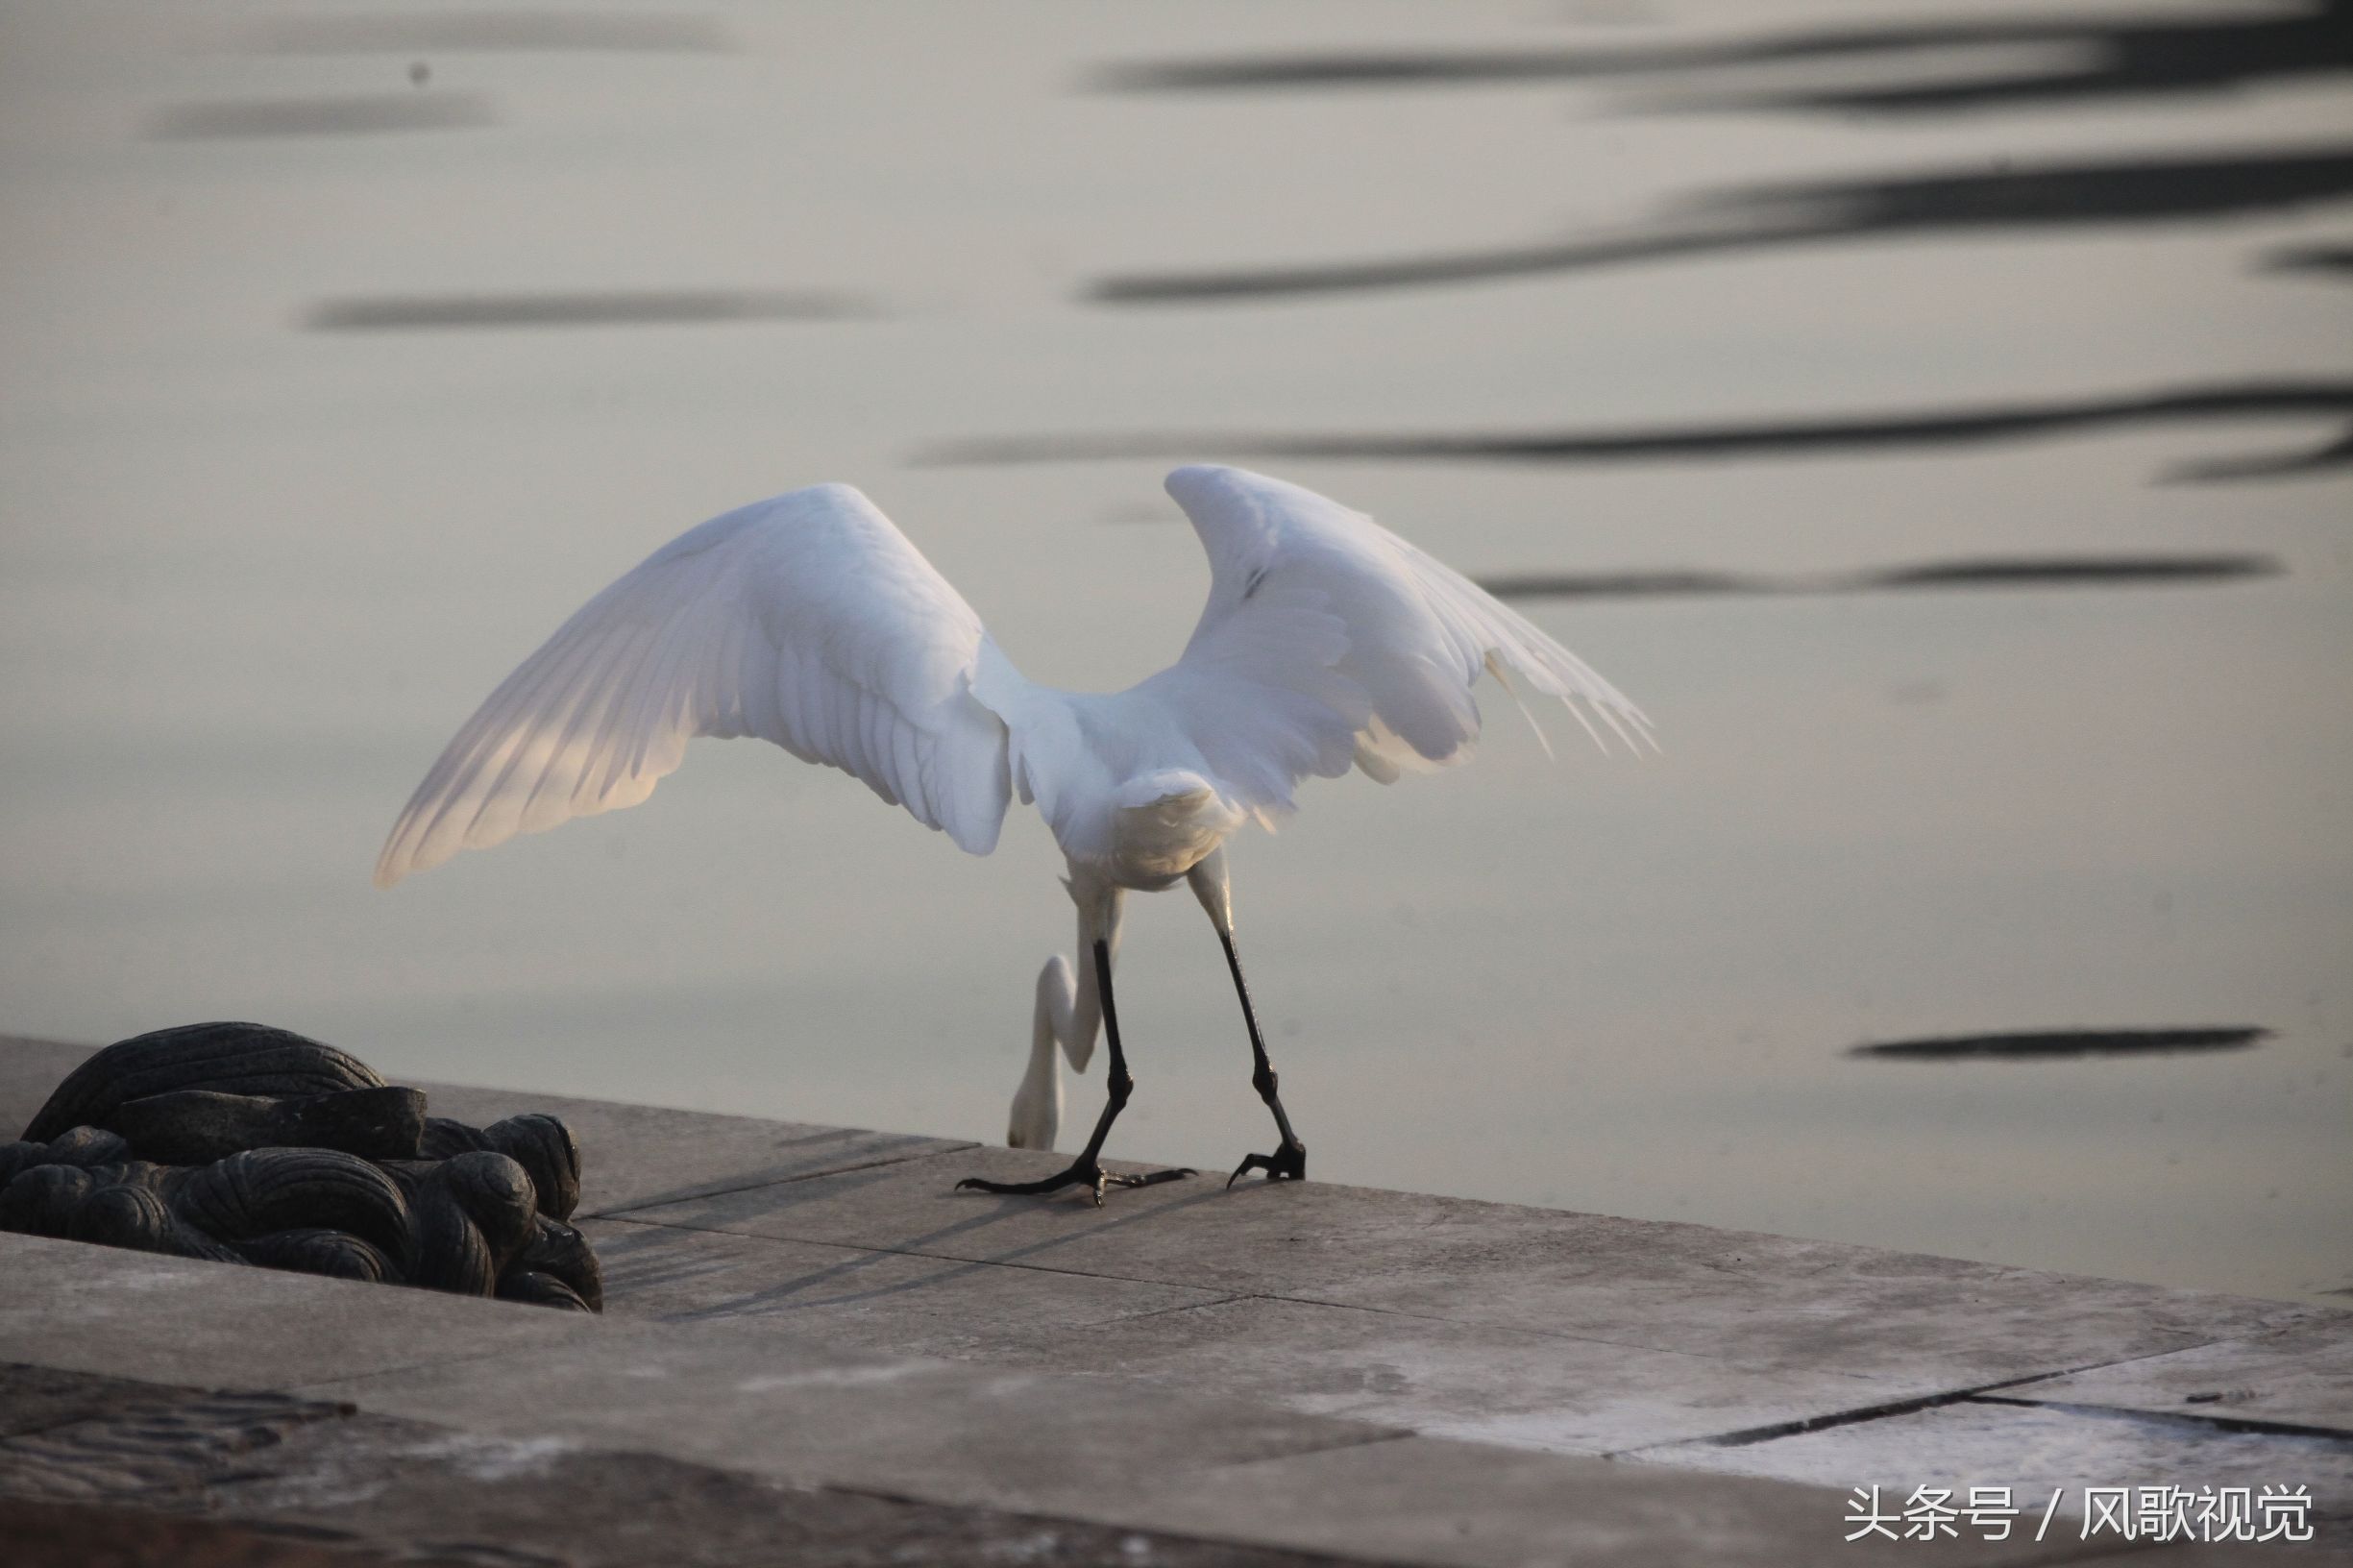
317 418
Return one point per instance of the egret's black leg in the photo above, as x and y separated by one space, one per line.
1085 1170
1290 1162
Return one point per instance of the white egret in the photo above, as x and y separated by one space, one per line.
809 620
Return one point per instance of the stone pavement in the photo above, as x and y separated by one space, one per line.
816 1350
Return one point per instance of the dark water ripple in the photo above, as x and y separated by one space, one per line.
2097 59
2335 259
473 31
2285 465
2038 1046
360 116
1664 584
2107 193
2282 398
2020 572
653 307
2069 571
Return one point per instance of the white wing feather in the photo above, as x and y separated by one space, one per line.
1327 640
807 620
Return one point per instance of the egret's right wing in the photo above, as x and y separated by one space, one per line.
807 620
1327 640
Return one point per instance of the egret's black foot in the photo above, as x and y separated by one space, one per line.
1082 1173
1288 1163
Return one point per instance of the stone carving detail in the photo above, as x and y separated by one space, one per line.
243 1143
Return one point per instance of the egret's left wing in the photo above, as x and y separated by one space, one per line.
807 620
1327 640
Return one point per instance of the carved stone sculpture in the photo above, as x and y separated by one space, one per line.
243 1143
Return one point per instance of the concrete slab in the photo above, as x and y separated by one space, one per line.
2038 1451
1917 1324
139 1315
2297 1376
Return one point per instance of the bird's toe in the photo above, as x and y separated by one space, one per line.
1288 1163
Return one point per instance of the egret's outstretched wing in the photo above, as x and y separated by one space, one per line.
1327 640
807 620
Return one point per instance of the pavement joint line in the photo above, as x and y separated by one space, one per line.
1189 1307
2233 1337
1751 1436
2135 1412
1904 1406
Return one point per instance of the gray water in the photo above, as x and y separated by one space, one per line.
332 384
